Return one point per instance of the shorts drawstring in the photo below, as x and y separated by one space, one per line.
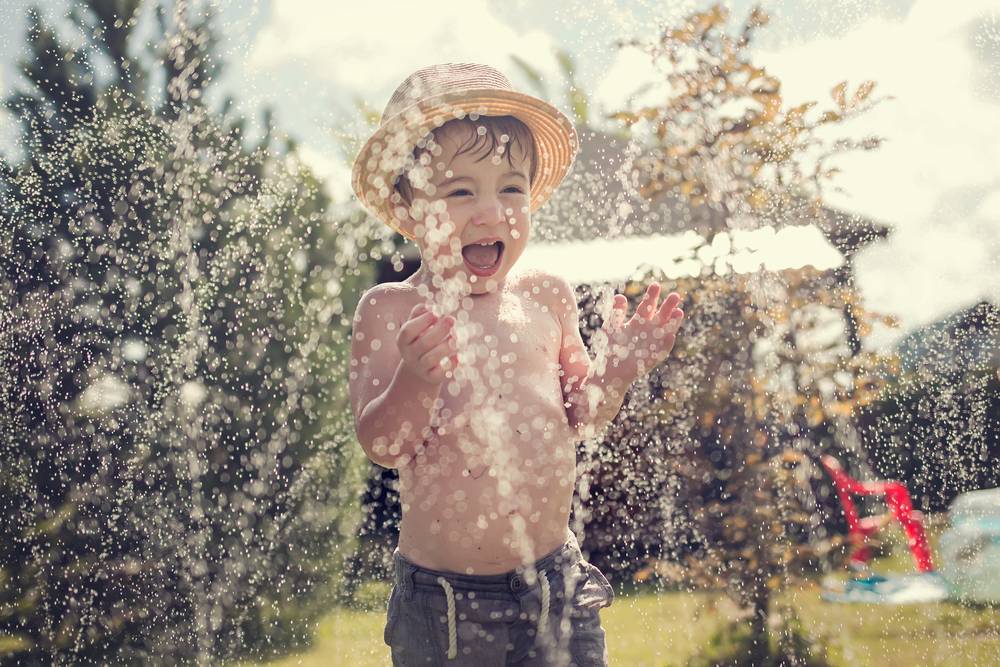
543 619
449 594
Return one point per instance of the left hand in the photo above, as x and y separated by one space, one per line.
646 339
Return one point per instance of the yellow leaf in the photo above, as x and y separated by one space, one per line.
814 412
771 103
684 35
758 18
838 94
758 198
863 91
11 644
842 408
792 456
624 117
801 109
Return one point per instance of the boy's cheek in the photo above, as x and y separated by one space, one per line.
521 229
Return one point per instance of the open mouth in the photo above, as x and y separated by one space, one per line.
483 259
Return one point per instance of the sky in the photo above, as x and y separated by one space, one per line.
936 180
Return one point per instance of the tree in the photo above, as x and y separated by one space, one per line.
755 390
174 460
936 427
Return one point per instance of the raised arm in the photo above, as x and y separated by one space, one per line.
591 403
593 394
396 374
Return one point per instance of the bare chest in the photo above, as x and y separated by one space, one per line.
506 389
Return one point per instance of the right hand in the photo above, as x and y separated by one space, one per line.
426 344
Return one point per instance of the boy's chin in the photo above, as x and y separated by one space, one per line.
484 286
476 284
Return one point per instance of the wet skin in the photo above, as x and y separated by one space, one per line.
492 487
486 474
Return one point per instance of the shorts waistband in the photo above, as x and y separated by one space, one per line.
408 574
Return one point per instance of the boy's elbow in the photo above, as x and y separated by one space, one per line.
375 446
379 447
378 452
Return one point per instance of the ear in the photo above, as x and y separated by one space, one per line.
402 218
403 222
411 218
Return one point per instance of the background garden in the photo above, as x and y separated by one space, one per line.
179 479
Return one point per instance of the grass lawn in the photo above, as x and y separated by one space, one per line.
646 629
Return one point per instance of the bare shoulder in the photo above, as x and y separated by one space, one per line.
374 354
385 303
550 289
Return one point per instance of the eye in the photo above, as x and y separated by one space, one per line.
514 189
462 192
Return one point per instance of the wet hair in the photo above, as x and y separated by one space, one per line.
482 144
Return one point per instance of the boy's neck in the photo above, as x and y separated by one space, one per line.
422 276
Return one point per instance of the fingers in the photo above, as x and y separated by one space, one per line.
441 358
667 308
647 306
620 310
427 345
616 318
420 319
434 336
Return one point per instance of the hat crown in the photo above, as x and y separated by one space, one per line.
431 97
441 79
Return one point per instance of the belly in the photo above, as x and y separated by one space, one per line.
492 493
493 487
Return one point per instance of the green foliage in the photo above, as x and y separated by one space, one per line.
579 104
733 424
576 97
735 644
909 433
532 74
371 595
725 136
175 464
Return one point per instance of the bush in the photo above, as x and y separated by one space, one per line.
733 645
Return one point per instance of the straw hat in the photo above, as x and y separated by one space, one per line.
434 95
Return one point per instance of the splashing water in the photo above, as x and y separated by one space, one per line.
179 461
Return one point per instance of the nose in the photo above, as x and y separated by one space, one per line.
488 211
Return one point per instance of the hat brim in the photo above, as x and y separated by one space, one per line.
382 159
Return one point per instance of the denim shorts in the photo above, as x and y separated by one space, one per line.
547 615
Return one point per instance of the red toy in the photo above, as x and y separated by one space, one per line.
860 529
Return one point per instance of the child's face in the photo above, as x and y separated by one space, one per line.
480 219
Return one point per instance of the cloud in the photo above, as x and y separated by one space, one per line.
941 162
941 133
369 47
335 173
940 165
936 179
317 59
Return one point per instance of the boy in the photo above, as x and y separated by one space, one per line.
474 382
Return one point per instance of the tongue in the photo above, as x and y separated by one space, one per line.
482 255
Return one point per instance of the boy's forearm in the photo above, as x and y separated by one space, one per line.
598 399
398 421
